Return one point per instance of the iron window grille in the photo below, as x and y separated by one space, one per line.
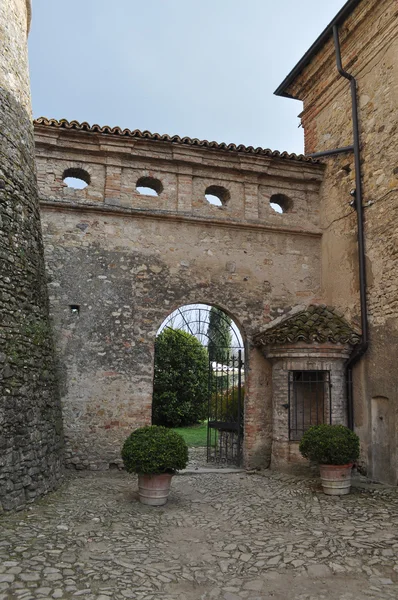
310 401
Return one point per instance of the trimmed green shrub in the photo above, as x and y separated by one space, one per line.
330 445
181 381
154 450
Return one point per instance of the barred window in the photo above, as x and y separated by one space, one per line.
309 401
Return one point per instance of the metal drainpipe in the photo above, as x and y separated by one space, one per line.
359 350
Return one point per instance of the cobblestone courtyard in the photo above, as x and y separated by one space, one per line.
222 536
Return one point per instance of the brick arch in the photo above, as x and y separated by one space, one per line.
205 307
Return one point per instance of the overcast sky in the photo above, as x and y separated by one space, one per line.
202 68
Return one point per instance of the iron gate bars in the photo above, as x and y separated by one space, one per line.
194 319
225 409
310 401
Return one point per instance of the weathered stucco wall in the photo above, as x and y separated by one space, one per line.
129 260
30 415
369 43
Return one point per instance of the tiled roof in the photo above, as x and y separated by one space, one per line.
175 139
316 323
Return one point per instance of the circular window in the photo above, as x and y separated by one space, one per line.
76 178
280 203
149 186
217 195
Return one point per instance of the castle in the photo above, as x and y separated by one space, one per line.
313 288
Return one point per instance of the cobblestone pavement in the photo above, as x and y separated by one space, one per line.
221 536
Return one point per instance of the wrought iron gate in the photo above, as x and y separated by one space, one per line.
225 412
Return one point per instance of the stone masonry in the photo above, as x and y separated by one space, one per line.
30 414
129 260
119 262
369 46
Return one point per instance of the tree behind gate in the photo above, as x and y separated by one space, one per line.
180 393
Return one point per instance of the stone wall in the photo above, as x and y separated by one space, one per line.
30 415
129 260
369 44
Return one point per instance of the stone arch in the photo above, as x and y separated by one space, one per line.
77 167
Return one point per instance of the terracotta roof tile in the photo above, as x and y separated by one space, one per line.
175 139
316 323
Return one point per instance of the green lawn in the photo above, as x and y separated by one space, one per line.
195 435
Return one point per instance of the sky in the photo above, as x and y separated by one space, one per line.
197 68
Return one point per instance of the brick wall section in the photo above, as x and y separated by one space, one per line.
30 416
302 357
369 42
130 260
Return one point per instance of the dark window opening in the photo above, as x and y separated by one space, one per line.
76 178
149 186
309 401
281 203
217 195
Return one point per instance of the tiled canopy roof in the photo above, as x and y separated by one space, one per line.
314 324
175 139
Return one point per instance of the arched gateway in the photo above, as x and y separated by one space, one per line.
223 404
120 261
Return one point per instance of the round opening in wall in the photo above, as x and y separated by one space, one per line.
217 195
280 203
76 178
213 200
149 186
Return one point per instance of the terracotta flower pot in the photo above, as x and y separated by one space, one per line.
154 489
336 479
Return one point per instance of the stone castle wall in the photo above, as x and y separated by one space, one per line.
369 44
129 260
30 414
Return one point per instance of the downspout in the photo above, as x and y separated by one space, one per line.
361 348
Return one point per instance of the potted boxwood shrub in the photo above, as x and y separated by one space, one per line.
155 454
334 448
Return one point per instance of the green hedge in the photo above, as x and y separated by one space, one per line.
181 382
330 445
154 450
